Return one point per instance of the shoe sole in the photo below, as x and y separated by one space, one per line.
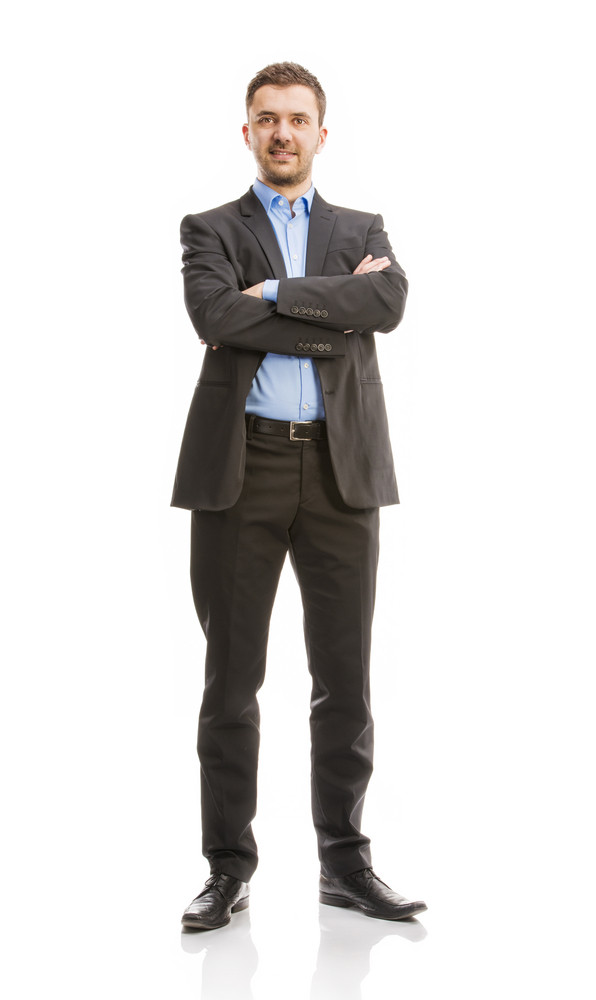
410 910
197 925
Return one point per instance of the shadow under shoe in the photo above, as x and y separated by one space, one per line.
222 896
364 891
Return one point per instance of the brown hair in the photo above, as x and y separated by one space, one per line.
287 74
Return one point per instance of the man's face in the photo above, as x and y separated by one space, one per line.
283 134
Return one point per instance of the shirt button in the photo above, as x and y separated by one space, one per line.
305 406
290 226
281 201
295 256
306 364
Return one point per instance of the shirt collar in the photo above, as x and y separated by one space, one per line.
267 195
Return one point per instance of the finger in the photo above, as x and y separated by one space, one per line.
358 270
379 260
379 264
368 264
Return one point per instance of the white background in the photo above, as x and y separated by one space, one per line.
469 126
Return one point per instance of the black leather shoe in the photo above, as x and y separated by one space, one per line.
222 896
364 891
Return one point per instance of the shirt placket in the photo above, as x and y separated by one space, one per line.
293 229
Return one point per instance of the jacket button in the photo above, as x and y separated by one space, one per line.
309 311
299 347
328 347
321 347
302 310
306 347
295 309
317 312
314 348
324 313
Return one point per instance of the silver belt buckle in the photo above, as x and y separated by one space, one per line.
298 423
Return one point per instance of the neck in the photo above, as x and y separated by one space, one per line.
291 192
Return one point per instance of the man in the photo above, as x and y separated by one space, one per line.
286 449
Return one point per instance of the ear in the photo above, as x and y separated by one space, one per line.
246 135
322 139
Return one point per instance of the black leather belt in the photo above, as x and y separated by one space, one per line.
295 430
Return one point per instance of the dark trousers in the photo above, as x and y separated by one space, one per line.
289 502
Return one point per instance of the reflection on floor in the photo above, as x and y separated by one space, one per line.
342 964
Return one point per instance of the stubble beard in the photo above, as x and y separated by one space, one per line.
281 176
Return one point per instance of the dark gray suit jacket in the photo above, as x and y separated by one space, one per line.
233 247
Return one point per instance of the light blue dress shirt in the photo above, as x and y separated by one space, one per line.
286 387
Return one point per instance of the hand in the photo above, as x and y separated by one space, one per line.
368 265
213 347
255 290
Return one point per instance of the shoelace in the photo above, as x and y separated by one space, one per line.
211 884
368 872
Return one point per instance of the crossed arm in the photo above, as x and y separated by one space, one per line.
366 266
225 314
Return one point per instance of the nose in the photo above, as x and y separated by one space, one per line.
282 131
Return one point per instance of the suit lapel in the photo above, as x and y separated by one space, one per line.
320 227
255 218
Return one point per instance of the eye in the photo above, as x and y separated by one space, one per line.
300 121
265 121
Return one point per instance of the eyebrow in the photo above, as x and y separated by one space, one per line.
293 114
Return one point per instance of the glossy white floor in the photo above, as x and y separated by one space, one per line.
468 126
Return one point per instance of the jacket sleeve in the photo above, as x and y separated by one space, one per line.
222 315
359 302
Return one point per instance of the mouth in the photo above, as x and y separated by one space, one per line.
283 155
